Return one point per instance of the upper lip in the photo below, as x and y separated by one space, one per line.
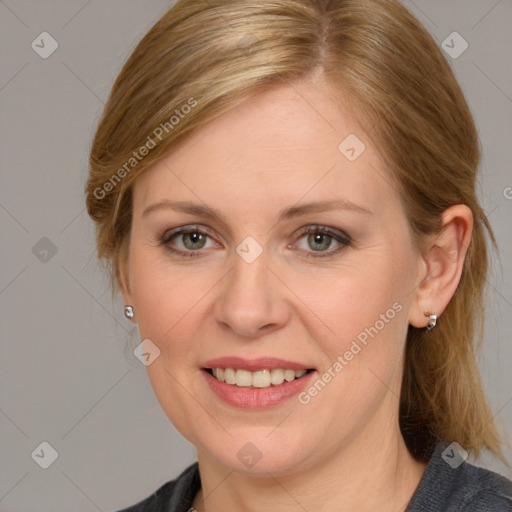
261 363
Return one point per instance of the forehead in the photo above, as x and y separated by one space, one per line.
287 143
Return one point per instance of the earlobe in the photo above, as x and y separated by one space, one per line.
124 286
128 308
443 261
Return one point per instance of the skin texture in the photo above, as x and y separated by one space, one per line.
343 450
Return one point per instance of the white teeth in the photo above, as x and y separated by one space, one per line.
261 379
277 376
243 378
258 379
229 376
289 375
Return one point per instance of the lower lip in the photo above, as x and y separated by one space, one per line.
257 398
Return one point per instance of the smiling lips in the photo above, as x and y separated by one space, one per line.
256 383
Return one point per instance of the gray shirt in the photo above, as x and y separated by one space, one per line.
448 485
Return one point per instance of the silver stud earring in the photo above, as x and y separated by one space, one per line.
432 322
128 312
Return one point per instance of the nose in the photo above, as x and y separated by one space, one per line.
252 301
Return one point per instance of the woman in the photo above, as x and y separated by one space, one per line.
285 193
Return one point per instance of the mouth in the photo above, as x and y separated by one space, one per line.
264 378
256 383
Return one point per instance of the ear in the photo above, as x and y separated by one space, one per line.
442 262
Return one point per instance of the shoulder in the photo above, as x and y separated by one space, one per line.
179 492
485 490
452 485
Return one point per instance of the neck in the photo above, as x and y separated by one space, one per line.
370 473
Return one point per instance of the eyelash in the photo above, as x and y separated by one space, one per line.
343 239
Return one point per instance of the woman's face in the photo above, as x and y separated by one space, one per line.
308 264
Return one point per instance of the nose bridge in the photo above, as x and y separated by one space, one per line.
251 301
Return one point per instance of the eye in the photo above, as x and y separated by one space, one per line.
320 240
187 240
314 241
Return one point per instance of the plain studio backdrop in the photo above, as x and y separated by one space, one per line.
67 380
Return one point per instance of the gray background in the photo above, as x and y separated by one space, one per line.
68 376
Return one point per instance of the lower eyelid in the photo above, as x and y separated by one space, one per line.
325 254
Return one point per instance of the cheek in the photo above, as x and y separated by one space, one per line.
167 299
171 307
362 317
360 314
366 294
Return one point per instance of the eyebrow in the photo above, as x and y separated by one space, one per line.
291 212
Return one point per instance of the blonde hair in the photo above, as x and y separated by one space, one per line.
211 55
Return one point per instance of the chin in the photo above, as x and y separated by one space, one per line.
259 454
